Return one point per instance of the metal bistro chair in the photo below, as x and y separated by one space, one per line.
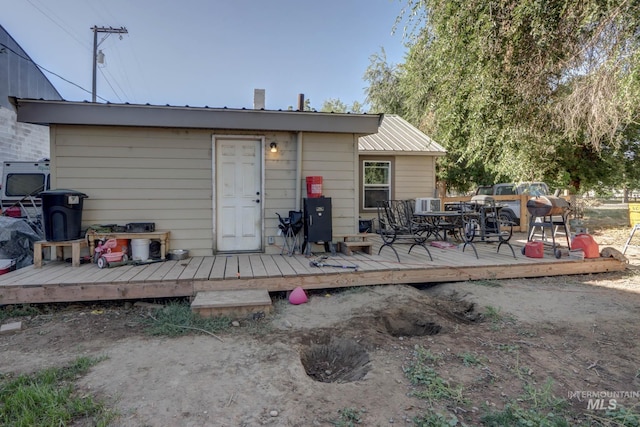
290 227
396 225
488 225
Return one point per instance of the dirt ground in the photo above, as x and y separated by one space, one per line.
349 350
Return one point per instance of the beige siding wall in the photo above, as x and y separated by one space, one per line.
412 177
279 186
415 176
165 176
158 175
334 157
140 175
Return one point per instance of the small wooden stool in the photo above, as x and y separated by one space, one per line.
355 242
75 251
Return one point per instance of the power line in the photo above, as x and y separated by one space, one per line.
49 14
111 86
48 71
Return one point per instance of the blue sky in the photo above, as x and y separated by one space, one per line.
209 52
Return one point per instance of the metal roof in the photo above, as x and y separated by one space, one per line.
21 77
89 113
397 136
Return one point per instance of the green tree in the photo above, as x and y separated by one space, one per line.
306 106
337 106
520 90
383 93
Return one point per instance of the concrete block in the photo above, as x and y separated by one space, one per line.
9 328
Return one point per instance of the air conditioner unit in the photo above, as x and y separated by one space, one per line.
427 204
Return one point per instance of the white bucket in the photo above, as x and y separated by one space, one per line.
140 249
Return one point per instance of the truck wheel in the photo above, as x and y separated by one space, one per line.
508 217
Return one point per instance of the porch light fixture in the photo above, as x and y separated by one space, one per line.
274 147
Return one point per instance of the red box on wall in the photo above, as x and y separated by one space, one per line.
314 186
534 250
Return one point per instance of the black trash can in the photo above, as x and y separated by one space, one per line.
62 214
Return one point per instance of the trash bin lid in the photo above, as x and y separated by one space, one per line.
62 192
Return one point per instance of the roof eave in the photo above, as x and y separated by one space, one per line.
96 114
402 153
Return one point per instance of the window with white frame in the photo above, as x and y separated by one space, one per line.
376 179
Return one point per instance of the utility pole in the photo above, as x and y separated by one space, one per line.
96 30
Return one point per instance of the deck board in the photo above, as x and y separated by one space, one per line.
217 272
159 273
142 273
258 269
270 266
284 267
59 281
244 266
193 264
232 269
204 269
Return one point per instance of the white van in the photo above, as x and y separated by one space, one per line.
23 179
22 182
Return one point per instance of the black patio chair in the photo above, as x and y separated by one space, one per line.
396 225
489 225
290 227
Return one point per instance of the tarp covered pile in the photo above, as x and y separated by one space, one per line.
16 240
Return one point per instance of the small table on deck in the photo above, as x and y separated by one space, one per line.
161 235
59 246
441 222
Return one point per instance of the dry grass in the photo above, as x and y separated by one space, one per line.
609 223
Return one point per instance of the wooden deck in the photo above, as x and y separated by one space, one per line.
60 282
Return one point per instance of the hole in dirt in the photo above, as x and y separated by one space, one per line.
339 361
410 325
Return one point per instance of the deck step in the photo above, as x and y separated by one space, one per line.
234 304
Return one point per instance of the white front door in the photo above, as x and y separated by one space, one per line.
238 201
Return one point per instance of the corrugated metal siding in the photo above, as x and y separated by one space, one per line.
397 135
20 77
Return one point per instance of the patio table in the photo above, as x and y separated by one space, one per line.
442 222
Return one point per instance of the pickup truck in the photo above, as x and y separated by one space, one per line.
511 209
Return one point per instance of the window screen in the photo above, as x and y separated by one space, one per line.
377 182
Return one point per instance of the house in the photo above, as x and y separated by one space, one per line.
21 77
397 162
208 175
